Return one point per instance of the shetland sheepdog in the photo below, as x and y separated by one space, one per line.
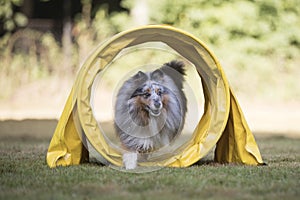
150 111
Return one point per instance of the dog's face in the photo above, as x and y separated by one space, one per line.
150 98
150 95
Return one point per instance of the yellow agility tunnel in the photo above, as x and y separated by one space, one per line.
222 124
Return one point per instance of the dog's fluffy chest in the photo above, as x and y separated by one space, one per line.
146 138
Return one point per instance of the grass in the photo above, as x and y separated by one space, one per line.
25 175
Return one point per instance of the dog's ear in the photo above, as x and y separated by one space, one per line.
157 75
140 76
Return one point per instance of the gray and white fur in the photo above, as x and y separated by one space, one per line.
150 110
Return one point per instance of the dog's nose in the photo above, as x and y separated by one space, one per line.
157 104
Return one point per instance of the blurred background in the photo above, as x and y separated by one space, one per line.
44 42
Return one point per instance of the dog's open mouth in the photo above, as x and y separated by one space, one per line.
154 112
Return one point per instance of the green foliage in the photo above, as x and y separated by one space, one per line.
10 19
257 40
27 55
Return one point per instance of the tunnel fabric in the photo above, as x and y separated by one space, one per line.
222 124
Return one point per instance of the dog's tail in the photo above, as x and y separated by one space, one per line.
177 65
175 69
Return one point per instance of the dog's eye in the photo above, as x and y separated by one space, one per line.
159 92
146 95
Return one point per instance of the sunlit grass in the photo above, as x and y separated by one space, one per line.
25 175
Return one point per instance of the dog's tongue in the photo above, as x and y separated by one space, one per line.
155 113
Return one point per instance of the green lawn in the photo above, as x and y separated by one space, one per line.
25 175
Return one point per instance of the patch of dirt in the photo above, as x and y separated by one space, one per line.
272 117
45 99
38 100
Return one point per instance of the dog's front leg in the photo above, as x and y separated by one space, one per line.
130 160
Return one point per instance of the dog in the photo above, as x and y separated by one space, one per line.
150 110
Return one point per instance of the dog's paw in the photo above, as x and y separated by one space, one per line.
130 160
